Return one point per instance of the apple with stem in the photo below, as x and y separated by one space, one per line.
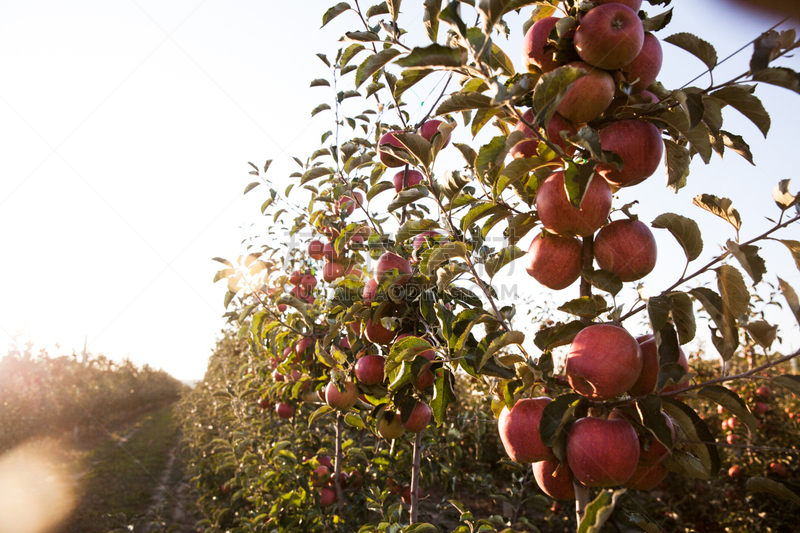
609 36
558 486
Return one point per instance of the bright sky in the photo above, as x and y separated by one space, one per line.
126 131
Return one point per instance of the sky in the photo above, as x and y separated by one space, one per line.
126 131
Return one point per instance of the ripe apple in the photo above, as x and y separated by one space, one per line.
412 177
390 261
370 290
339 400
321 475
559 486
603 362
281 308
760 408
424 379
332 271
376 333
609 36
419 419
347 203
354 270
643 70
390 430
589 95
315 248
369 369
732 439
285 410
635 5
308 282
264 403
405 495
640 146
303 345
781 469
277 376
325 460
534 46
626 248
648 379
602 453
554 128
295 278
431 128
763 391
647 476
329 252
386 158
554 261
519 431
559 216
735 471
421 239
327 496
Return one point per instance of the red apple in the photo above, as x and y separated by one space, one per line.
735 471
419 419
315 248
285 410
763 391
602 453
354 270
535 51
329 252
635 5
295 278
332 271
431 128
339 400
554 128
370 290
647 476
609 36
519 431
405 495
603 362
640 146
732 439
643 70
327 496
277 376
424 379
421 239
559 486
302 346
386 158
760 408
781 469
321 476
369 369
325 460
281 308
559 216
348 202
554 261
412 178
376 333
626 248
648 379
308 282
390 430
390 261
264 403
589 95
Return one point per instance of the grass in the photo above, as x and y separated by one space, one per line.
123 475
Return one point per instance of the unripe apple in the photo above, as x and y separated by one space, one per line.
554 128
609 36
559 486
315 249
391 430
647 476
640 146
369 369
332 271
554 261
589 96
370 290
648 379
559 216
519 431
603 362
386 158
626 248
390 261
602 453
431 128
643 70
285 410
534 46
376 333
327 496
412 177
419 419
339 400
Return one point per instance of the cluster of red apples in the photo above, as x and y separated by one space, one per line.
615 54
604 362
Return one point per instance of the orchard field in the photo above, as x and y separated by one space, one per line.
376 377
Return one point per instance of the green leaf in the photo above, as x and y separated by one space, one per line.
794 249
430 18
685 230
378 9
597 512
493 10
722 207
734 142
706 458
394 8
557 335
677 160
319 109
782 77
409 78
440 254
349 53
762 332
320 82
761 484
412 228
477 212
642 521
790 383
695 46
374 63
408 196
315 173
659 22
783 198
378 188
223 274
434 55
334 12
742 99
319 413
417 146
361 36
712 303
502 258
462 102
747 255
732 402
683 316
586 306
421 527
251 186
603 280
515 170
353 420
500 341
443 394
557 416
732 288
791 299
